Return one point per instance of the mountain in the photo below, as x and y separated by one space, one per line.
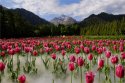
30 17
103 24
102 17
63 19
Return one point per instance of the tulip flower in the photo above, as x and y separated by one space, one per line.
90 57
77 50
22 79
63 52
72 58
89 77
107 54
53 55
120 71
100 66
35 53
123 55
100 63
114 60
71 66
80 63
2 66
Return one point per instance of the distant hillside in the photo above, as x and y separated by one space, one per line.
102 17
103 24
30 17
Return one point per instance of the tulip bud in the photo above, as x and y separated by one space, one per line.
77 50
90 57
35 53
2 66
80 61
100 63
53 55
22 79
114 59
120 71
89 77
63 52
123 55
108 54
71 66
72 58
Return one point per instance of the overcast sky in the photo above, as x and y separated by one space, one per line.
78 9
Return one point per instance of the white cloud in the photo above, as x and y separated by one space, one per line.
83 8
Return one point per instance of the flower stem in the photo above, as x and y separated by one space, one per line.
71 76
114 75
120 80
81 74
99 76
53 80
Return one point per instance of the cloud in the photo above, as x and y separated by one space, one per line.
82 9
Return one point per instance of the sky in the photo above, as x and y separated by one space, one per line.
78 9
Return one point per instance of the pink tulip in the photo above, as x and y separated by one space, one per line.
80 61
100 63
72 58
86 50
89 77
90 57
108 54
121 48
123 55
120 71
53 55
2 66
22 79
71 66
63 52
11 52
114 59
35 53
77 50
2 53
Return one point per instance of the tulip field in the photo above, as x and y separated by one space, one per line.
64 59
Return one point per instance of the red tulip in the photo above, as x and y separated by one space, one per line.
123 55
90 77
53 55
72 58
63 52
35 53
90 57
71 66
108 54
22 79
93 47
80 61
2 66
115 47
120 71
17 50
121 48
86 50
77 50
114 59
2 53
99 50
100 63
11 52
